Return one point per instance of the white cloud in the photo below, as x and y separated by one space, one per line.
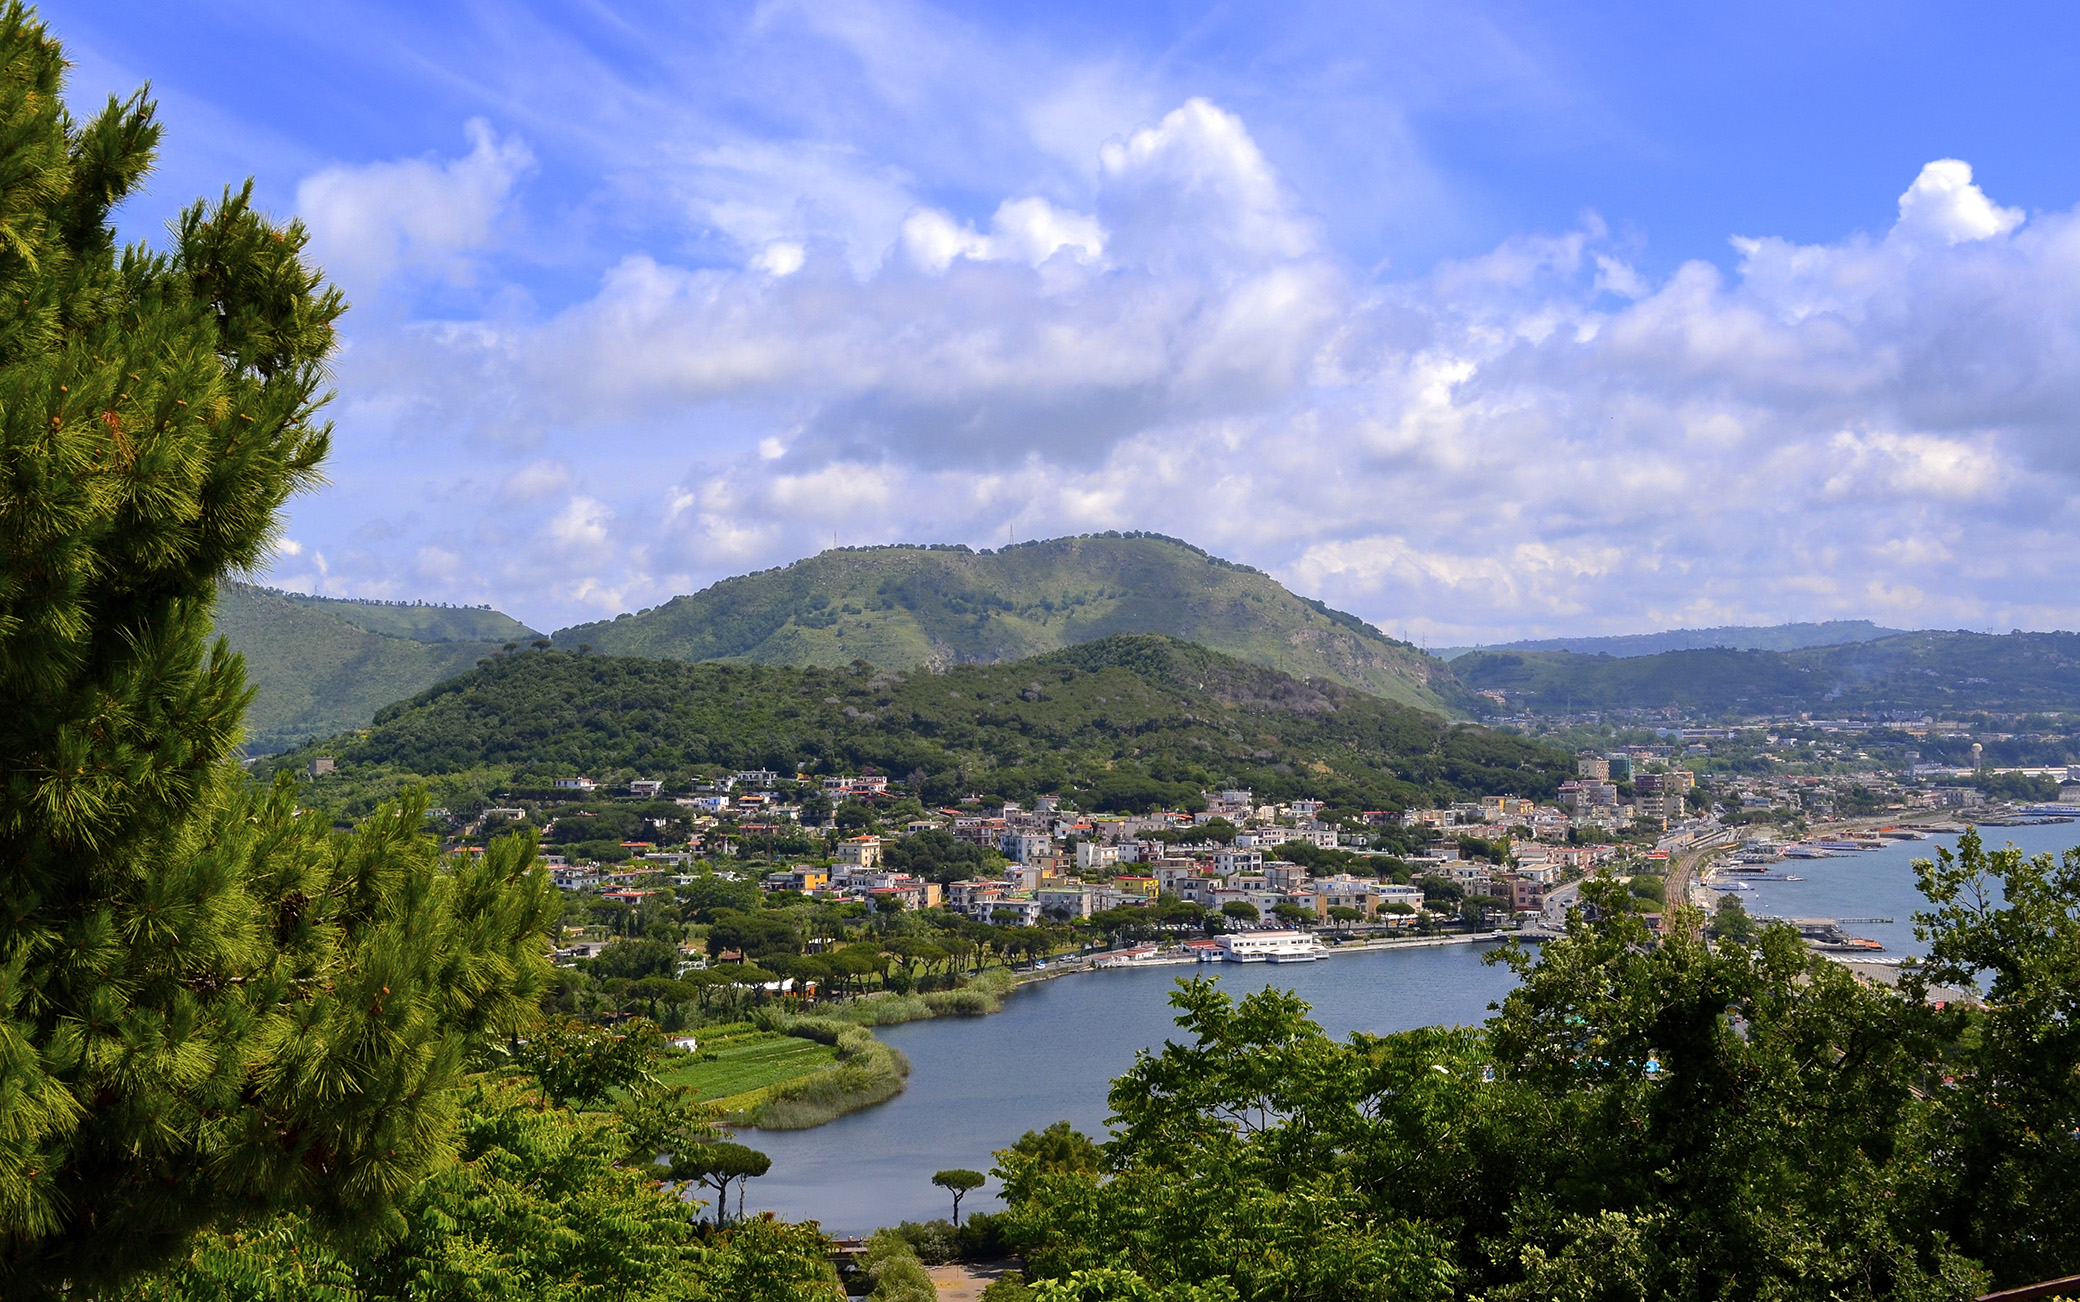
1542 438
1944 205
1029 230
369 222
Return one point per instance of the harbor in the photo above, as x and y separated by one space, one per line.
1852 894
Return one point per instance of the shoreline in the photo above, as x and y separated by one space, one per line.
889 1070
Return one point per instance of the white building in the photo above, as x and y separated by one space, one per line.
1089 854
1232 860
1269 947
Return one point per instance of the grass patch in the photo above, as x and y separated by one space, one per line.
744 1063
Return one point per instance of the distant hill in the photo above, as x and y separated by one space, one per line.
420 621
906 607
320 665
1925 673
1125 722
1739 637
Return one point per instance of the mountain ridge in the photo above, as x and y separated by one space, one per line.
1736 637
1924 672
937 605
319 666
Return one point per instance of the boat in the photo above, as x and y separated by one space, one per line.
1269 947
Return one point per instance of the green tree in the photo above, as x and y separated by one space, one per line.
2011 1106
718 1165
1730 920
579 1065
1240 910
541 1204
897 1275
1059 1148
208 1002
635 959
959 1182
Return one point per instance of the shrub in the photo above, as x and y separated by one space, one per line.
934 1242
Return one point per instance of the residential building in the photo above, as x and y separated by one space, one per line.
1230 859
805 880
1526 894
1012 911
1089 854
646 788
1347 892
862 851
1068 900
1024 847
575 784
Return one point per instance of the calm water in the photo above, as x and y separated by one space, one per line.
1880 883
977 1084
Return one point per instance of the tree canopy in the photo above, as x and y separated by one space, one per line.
211 1005
1692 1116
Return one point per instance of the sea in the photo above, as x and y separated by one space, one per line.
977 1084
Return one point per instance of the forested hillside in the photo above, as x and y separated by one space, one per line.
1128 722
418 620
1933 673
321 666
905 607
1737 637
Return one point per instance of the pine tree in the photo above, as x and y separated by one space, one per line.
211 1004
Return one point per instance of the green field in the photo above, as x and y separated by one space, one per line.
747 1062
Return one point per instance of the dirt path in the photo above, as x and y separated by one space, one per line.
964 1281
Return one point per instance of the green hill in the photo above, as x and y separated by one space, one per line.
419 621
906 607
1126 722
322 666
1922 673
1738 637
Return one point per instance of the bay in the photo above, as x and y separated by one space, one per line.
1880 883
977 1084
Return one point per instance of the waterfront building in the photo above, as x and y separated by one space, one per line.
1269 947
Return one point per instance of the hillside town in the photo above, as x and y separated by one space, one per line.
1252 864
1238 866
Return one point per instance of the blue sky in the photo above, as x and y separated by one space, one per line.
1480 321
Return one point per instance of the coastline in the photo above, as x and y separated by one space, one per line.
869 1072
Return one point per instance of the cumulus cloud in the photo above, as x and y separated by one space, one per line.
1944 205
371 221
1542 438
1029 230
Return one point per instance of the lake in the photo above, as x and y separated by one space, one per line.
977 1084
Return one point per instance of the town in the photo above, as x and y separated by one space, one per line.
1233 879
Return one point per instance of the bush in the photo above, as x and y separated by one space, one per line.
1010 1287
898 1276
985 1236
934 1242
